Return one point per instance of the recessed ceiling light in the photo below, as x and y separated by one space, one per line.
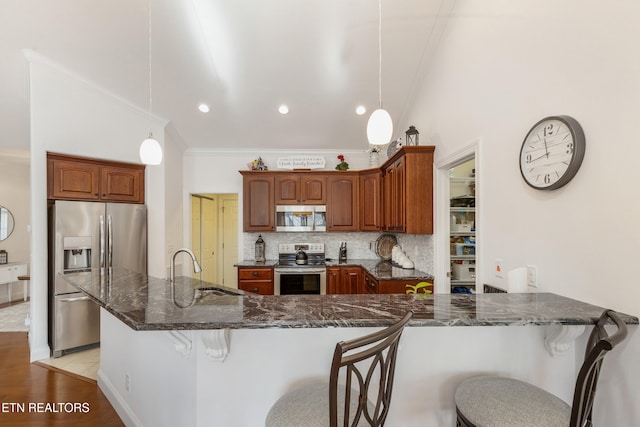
360 110
203 108
283 109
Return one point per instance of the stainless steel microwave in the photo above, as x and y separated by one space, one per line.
301 218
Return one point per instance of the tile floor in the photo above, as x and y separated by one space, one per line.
84 363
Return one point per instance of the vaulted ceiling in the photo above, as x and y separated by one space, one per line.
244 58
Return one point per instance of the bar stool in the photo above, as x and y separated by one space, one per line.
330 404
490 401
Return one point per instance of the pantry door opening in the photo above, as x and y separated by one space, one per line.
459 222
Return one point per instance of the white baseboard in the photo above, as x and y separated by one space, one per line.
125 413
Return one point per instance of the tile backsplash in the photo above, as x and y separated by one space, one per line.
418 247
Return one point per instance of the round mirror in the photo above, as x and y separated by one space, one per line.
6 223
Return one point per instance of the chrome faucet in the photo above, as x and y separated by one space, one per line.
172 268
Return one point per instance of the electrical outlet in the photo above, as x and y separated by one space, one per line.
127 382
27 320
532 276
499 269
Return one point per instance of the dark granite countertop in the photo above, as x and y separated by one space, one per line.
253 263
380 270
146 303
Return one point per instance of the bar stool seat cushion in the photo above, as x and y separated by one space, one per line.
308 406
489 401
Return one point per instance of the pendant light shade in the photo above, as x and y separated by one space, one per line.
379 127
150 151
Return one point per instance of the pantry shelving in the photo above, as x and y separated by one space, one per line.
462 236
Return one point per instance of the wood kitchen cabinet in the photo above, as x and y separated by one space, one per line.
342 202
300 189
370 200
79 178
407 191
258 280
372 285
257 197
345 280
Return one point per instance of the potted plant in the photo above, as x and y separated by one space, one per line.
342 166
419 288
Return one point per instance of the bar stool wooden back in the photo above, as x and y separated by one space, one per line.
345 400
491 401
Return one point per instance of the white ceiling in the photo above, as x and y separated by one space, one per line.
242 57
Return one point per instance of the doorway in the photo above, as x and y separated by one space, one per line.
458 222
214 237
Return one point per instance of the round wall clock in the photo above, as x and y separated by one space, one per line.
552 152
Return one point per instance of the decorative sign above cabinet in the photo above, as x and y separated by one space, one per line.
301 162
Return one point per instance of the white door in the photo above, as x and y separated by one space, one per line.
209 239
230 240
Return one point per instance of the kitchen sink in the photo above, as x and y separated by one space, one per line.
217 291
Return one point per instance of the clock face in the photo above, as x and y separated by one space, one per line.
552 152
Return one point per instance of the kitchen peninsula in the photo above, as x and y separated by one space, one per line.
227 356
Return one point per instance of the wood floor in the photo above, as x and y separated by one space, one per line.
32 395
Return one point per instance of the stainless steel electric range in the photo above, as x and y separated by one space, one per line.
301 269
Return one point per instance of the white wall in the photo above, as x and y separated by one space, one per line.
217 171
502 66
14 195
74 116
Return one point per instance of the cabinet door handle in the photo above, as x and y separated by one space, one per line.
255 273
255 289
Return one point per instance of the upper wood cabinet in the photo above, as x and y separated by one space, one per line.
342 202
300 189
394 195
79 178
257 199
407 184
397 197
370 198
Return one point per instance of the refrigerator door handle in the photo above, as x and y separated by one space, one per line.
74 299
102 242
110 240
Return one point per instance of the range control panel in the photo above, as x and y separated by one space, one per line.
292 248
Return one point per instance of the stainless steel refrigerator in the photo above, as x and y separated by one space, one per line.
84 236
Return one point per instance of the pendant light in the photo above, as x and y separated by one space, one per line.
150 150
380 125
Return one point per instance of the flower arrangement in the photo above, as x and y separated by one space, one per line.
342 166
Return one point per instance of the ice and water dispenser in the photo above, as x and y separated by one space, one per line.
77 253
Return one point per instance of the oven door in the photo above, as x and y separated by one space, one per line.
300 281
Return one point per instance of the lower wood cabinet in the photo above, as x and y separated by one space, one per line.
345 280
395 286
258 280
